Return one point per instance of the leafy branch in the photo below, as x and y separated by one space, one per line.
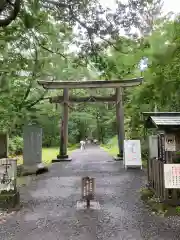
46 48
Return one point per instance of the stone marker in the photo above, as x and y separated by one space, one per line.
32 150
32 145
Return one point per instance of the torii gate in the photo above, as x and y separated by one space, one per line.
118 85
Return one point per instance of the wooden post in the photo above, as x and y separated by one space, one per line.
61 149
64 130
88 203
65 115
120 121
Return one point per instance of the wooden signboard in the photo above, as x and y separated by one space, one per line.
87 189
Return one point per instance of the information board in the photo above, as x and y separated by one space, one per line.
132 153
172 176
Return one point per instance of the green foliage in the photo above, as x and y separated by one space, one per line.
38 45
178 209
111 146
15 145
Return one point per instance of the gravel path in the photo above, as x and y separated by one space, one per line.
49 205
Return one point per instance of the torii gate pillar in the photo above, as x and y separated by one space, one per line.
120 122
63 156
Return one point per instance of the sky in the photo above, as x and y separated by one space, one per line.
169 5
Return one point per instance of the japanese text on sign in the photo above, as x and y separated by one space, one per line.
8 170
176 171
161 147
132 153
172 175
88 188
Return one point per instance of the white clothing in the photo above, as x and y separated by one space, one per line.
82 144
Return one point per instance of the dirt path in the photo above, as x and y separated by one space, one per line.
49 205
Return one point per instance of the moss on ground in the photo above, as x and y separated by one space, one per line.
9 199
146 194
156 206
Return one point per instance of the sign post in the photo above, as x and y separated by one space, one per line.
132 154
87 190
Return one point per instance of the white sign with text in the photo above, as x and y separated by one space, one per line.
132 153
8 174
172 176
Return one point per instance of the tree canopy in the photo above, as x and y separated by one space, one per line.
76 40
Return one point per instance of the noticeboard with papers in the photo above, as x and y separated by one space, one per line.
132 153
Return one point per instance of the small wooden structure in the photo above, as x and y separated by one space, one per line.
118 85
88 191
164 149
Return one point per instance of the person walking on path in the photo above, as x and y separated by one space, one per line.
82 142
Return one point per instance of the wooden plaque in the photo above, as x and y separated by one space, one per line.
87 188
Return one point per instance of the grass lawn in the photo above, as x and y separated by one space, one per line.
111 147
47 155
113 151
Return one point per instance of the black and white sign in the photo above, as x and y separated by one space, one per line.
8 174
170 143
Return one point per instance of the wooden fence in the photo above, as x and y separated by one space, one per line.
156 182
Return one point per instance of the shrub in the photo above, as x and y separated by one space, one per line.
50 141
16 145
